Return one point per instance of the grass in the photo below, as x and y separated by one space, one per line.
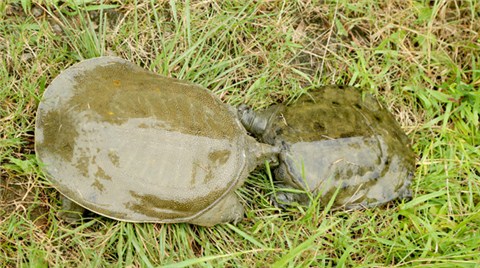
421 58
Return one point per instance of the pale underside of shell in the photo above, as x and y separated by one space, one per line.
136 146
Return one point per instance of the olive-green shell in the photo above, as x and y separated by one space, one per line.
335 137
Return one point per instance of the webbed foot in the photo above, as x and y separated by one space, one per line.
286 196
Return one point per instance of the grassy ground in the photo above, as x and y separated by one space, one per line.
422 58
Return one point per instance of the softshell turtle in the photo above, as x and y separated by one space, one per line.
135 146
333 137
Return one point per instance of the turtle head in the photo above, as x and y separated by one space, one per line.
257 123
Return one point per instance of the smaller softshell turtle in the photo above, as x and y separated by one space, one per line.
136 146
333 137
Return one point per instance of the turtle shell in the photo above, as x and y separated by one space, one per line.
333 137
136 146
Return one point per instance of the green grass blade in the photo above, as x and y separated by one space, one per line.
309 243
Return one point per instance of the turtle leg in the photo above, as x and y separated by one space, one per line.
287 196
229 209
290 190
71 212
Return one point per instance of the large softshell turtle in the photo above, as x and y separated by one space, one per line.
333 137
135 146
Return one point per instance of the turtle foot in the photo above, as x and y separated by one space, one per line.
71 212
287 196
227 210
